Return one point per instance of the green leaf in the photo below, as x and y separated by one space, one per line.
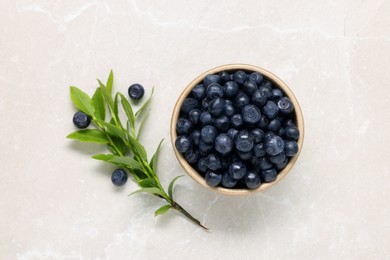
98 103
81 100
145 105
147 183
107 95
125 161
120 144
153 161
128 109
114 130
141 125
139 148
110 82
170 188
151 190
103 157
164 209
89 135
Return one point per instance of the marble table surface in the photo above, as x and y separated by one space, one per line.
58 203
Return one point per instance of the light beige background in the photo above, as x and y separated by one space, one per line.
57 203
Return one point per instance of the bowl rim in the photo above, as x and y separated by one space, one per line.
234 67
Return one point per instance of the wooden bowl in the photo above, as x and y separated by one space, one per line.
229 68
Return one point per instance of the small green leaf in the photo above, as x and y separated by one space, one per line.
139 148
98 103
147 183
125 161
107 95
120 144
151 190
164 209
81 100
153 161
141 125
89 135
103 157
145 105
170 187
128 109
114 130
110 82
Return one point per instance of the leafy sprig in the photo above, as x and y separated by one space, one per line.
122 140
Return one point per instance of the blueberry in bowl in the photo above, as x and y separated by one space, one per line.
237 129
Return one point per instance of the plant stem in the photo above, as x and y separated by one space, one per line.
179 208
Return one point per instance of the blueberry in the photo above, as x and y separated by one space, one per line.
258 135
81 120
281 131
266 84
202 165
224 76
208 134
195 136
245 156
282 165
274 125
199 92
277 94
194 116
244 141
206 119
213 178
237 170
270 109
256 77
241 101
291 148
214 90
239 77
205 148
264 164
266 91
209 79
258 150
249 87
206 103
183 143
276 159
263 123
136 91
268 175
228 181
251 114
189 104
292 133
231 89
192 156
254 161
213 162
236 121
274 145
223 144
259 98
119 177
216 106
222 123
232 132
289 122
285 105
252 180
183 126
229 108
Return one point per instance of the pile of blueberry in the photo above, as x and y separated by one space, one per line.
237 130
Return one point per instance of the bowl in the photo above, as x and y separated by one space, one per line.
230 68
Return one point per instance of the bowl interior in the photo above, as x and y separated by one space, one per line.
229 68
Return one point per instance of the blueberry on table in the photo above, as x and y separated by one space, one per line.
206 119
251 114
119 177
229 108
222 123
195 136
183 126
232 132
216 106
202 166
277 94
237 170
241 101
194 116
291 148
239 77
277 159
205 148
291 133
231 89
81 120
213 162
259 151
285 105
252 180
189 104
183 143
264 164
213 178
258 135
244 141
136 91
249 87
223 144
274 125
245 156
270 109
208 134
192 156
228 181
282 165
259 98
236 121
268 175
214 90
274 145
210 78
224 76
199 92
